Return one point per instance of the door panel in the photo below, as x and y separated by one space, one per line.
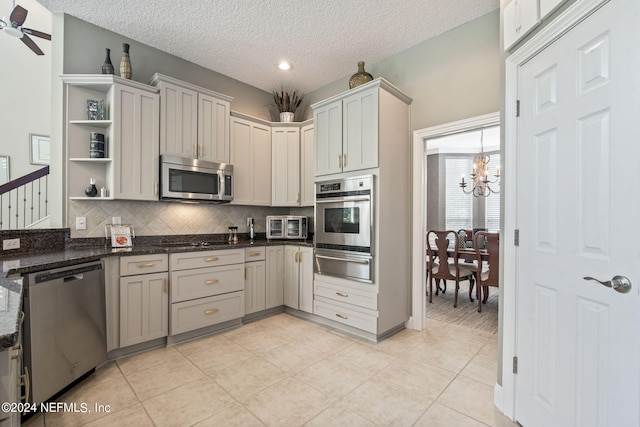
578 341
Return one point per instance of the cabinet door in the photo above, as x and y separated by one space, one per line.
291 276
254 286
360 131
144 308
520 16
305 279
251 160
328 137
213 129
178 120
307 189
285 158
275 276
134 144
548 6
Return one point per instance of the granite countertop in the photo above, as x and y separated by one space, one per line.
14 267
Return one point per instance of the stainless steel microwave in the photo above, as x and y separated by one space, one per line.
286 227
195 180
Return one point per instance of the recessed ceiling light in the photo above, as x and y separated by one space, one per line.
284 66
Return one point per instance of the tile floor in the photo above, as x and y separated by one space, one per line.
284 371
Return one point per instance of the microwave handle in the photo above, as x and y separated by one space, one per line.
343 199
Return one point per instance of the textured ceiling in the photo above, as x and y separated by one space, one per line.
246 39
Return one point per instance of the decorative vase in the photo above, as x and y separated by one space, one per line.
360 77
107 67
286 116
125 62
91 190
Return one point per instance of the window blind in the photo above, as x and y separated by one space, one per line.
458 206
492 202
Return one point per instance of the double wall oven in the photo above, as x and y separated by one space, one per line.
344 228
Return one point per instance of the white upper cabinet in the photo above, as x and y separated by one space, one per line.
251 160
307 189
520 17
194 121
347 128
285 166
548 6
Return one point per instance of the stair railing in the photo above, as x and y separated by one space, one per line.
24 199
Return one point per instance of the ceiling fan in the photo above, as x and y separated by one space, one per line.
13 27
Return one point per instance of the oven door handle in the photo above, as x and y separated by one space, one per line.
357 261
344 199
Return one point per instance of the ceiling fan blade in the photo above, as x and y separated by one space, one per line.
32 45
36 33
18 15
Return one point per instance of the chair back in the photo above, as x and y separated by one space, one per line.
492 245
438 242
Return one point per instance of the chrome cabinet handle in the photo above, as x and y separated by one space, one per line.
619 283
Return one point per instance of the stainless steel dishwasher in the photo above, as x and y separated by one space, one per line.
65 326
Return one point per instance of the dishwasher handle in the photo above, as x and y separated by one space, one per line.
74 277
68 274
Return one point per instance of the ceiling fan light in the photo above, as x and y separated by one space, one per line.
284 66
13 32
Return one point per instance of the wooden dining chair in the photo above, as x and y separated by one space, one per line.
441 268
489 276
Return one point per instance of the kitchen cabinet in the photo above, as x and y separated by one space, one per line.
307 172
548 6
348 127
11 380
207 288
144 298
298 278
254 280
194 121
520 17
274 287
251 160
285 166
375 134
129 168
292 164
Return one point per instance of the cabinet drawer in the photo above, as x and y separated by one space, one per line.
205 282
354 316
254 254
143 264
189 315
186 260
364 295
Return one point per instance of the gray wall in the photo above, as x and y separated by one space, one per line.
451 77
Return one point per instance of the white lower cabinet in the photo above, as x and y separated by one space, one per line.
255 280
298 278
10 365
274 276
207 288
144 298
348 302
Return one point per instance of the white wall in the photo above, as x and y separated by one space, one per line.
25 88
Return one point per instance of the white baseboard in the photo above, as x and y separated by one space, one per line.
497 397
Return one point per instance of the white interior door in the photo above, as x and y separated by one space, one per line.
578 214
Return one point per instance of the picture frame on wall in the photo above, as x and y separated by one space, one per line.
4 170
40 149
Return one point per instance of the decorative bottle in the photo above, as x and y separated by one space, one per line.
360 77
107 67
91 190
125 62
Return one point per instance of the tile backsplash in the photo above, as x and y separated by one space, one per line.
165 218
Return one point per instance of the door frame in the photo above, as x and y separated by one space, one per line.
505 395
419 206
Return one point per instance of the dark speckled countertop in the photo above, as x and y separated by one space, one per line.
60 251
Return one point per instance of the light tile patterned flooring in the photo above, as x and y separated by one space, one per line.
284 371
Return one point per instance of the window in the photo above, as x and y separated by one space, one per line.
492 202
458 206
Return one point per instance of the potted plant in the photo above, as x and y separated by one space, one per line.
287 103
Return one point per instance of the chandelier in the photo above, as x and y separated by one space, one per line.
480 174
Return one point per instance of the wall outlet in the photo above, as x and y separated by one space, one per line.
81 223
116 220
10 244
